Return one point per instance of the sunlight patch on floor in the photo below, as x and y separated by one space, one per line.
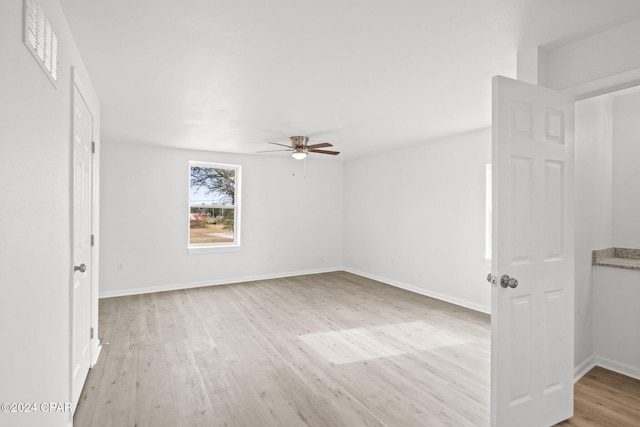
420 335
350 345
359 344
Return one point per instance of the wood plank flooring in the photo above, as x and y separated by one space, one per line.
605 399
330 349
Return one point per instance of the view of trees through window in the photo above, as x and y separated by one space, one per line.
212 204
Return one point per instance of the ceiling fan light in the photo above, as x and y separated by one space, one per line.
299 154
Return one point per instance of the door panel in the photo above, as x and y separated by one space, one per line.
532 322
521 217
82 251
554 206
521 351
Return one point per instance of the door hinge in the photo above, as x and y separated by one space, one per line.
93 147
91 332
93 240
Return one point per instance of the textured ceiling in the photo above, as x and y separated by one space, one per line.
366 75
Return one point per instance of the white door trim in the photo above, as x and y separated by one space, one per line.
605 85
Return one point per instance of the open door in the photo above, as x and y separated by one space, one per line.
533 255
81 293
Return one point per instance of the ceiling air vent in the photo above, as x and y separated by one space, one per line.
40 39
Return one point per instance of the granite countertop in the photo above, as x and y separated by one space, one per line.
628 259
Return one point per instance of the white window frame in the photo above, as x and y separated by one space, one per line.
223 246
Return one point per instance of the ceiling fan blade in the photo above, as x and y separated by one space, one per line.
282 145
321 145
333 153
271 151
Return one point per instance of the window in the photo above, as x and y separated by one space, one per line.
214 206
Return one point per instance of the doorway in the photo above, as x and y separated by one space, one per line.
606 217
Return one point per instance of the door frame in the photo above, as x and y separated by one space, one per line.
605 85
602 86
91 102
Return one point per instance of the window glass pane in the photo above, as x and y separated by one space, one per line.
212 186
211 225
212 204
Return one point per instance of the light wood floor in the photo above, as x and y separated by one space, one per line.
331 349
605 399
322 350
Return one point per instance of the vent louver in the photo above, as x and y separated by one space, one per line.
40 39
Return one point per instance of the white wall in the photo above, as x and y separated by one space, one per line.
290 223
626 170
593 165
617 337
35 249
415 217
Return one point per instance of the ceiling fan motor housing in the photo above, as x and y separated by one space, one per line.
299 141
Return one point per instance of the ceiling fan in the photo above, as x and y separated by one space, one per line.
299 147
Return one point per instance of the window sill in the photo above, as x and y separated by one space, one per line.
198 250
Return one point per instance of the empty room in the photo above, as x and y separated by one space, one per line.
337 213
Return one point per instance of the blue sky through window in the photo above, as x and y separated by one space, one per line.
200 195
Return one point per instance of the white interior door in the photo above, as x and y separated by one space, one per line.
82 230
532 317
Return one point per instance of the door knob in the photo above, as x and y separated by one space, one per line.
81 268
491 279
505 281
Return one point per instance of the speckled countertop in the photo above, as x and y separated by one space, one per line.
628 259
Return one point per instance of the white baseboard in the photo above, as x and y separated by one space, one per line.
442 297
591 362
621 368
215 282
580 371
